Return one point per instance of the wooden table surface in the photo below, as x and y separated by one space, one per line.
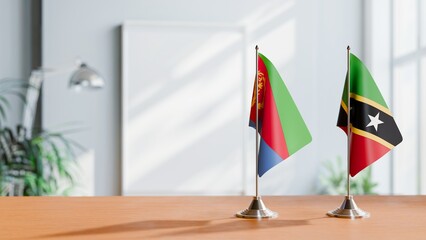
300 217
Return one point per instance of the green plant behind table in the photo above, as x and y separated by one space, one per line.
334 180
32 166
35 166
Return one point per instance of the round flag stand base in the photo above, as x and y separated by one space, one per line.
349 209
257 209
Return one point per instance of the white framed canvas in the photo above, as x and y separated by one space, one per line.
184 109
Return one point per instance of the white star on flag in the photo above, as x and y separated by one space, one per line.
374 121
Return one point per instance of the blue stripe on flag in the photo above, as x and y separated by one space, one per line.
268 158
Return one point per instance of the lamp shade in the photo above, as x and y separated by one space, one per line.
86 77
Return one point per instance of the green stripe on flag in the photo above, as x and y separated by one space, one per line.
296 133
362 83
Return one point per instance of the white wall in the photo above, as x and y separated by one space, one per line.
305 39
395 56
15 48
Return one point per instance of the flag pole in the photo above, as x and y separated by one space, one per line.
349 131
257 121
348 209
257 208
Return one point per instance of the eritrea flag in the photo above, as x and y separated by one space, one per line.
374 131
281 126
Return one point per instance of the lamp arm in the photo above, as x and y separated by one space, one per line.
31 100
47 71
33 93
82 76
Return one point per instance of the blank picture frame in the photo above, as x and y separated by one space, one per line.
183 108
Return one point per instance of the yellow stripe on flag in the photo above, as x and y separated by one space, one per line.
372 137
371 103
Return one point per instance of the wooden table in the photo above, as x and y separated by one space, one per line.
392 217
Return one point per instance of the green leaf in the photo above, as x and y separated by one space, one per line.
2 113
46 160
4 101
30 182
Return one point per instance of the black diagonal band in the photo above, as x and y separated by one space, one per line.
360 112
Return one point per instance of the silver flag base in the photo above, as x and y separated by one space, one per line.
349 209
257 209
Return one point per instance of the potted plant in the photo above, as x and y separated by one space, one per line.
35 165
333 180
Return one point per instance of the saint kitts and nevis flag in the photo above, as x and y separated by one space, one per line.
374 131
281 127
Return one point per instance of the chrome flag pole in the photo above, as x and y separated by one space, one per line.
348 209
257 208
257 121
